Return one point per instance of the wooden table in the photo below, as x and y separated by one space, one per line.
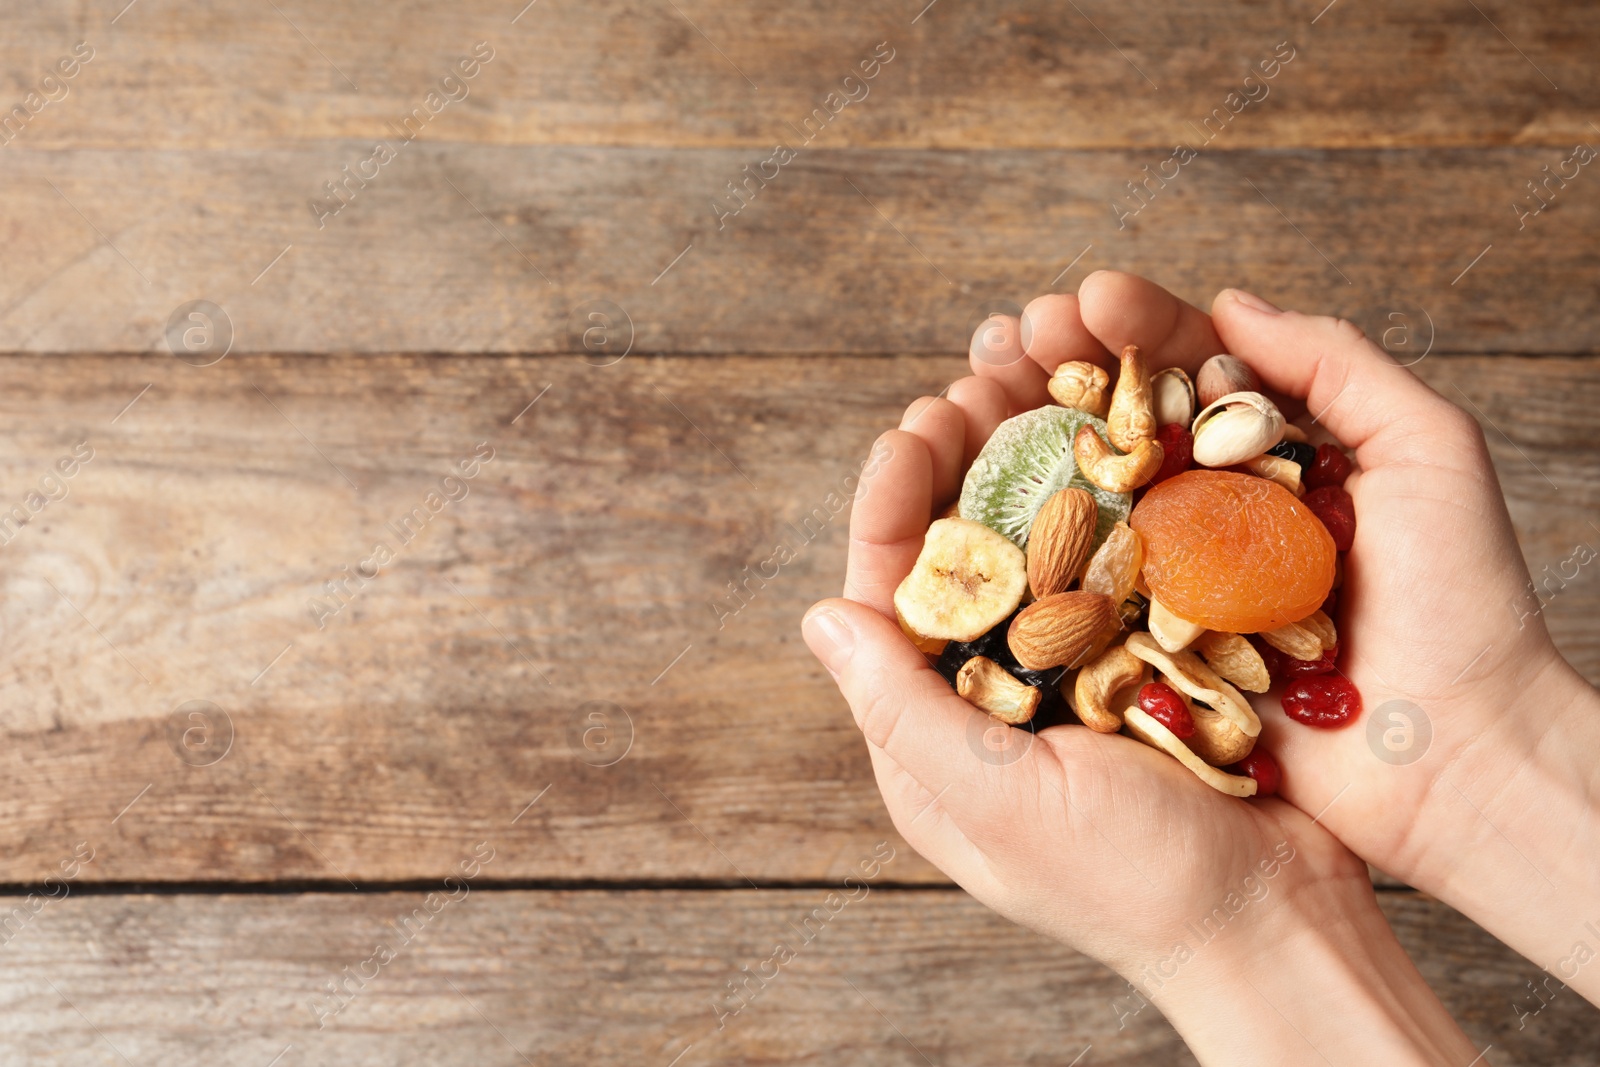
520 333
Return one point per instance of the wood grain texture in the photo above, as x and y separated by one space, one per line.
1025 73
467 249
584 564
616 977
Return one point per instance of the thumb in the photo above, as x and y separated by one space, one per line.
902 705
1349 384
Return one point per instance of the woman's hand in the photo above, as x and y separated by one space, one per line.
1097 840
1474 772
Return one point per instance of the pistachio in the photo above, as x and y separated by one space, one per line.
1221 375
1286 472
1131 419
1234 428
1080 385
1172 397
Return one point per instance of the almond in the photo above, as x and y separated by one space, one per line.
1056 631
1058 542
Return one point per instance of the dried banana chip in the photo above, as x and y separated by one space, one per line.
1152 733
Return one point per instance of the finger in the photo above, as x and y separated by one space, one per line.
900 703
1349 384
889 517
943 428
1124 309
983 404
1053 333
996 353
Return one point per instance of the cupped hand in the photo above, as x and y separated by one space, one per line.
1472 771
1093 839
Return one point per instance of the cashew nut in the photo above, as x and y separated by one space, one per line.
1191 677
1111 472
1235 659
1304 640
1216 739
1152 733
1132 417
1113 671
990 687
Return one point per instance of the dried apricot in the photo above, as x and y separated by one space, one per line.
1233 552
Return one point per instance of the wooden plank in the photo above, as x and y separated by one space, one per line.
187 560
1026 73
502 249
633 977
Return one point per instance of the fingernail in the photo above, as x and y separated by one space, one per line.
830 639
1251 300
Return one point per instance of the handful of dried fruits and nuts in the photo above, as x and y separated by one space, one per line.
1144 617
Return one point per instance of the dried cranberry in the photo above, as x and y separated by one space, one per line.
1337 511
1331 467
1298 668
1331 605
1163 704
1263 768
1325 700
1177 451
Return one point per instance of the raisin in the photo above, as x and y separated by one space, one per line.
1269 656
1163 704
1303 454
1331 467
1337 511
1177 451
1323 700
1263 768
993 645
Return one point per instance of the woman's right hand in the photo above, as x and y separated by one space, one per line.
1474 771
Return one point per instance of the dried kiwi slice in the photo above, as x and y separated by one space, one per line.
1028 459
